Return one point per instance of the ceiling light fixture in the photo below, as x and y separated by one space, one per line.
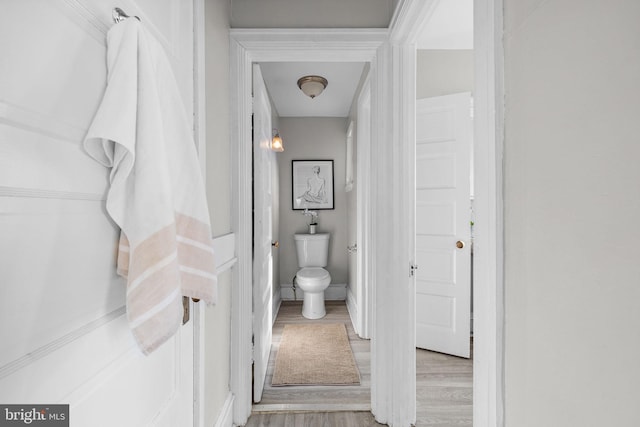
276 142
312 86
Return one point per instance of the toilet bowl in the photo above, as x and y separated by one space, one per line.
312 278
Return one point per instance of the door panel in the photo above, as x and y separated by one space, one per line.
62 315
263 165
443 286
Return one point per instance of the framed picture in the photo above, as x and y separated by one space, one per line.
312 184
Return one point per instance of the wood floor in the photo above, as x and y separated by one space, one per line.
443 386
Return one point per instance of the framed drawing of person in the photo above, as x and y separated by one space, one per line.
312 184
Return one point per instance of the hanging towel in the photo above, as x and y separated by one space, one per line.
157 193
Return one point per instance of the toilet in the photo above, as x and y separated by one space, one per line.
312 251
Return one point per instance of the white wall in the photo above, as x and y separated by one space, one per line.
311 13
218 317
572 200
313 138
443 72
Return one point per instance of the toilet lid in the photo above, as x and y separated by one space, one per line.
317 273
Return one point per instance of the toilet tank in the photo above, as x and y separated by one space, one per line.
312 249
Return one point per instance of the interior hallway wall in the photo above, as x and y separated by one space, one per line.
313 138
443 72
572 198
218 317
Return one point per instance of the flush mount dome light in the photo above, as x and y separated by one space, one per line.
312 86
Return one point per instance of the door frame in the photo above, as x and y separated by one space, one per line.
363 213
488 259
391 53
272 45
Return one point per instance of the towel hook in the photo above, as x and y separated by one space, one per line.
119 15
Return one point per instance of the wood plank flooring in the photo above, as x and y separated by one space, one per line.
444 386
313 419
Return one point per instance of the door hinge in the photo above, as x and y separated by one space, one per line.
412 269
253 348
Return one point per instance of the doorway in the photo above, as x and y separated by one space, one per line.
312 129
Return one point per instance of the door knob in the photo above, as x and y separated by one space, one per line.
459 244
275 244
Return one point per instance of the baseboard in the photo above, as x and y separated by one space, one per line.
261 408
225 419
335 292
352 308
277 302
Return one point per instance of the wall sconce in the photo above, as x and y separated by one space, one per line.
276 142
312 86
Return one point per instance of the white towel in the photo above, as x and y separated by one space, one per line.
157 193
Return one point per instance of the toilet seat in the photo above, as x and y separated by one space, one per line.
313 281
312 274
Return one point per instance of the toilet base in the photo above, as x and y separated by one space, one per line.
313 305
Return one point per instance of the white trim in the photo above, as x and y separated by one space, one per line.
50 194
488 251
393 356
59 343
277 302
348 186
225 419
310 407
199 89
248 46
352 309
312 45
364 283
199 363
335 292
199 133
224 249
241 289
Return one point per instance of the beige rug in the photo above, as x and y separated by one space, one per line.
317 354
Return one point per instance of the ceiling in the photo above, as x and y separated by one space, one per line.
450 26
281 79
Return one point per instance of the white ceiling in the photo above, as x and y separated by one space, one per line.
281 79
450 26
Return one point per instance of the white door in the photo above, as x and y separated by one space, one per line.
263 163
443 247
63 323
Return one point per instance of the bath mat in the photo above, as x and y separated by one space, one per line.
317 354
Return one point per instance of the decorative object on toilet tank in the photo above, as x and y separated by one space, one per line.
313 220
312 184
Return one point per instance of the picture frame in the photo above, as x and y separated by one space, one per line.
312 184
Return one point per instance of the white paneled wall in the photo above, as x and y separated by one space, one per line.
62 316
